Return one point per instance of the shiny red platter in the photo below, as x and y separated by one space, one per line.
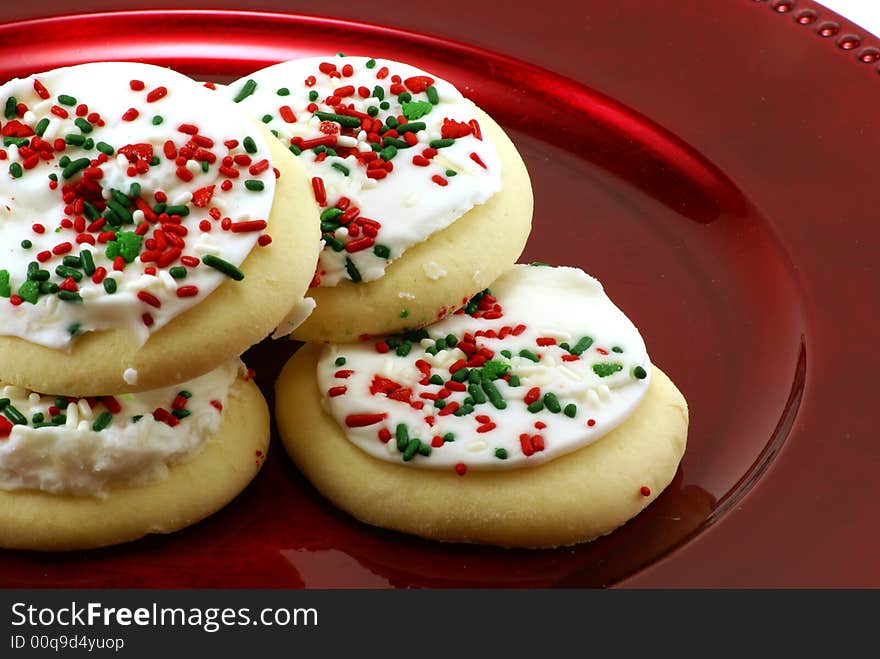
717 174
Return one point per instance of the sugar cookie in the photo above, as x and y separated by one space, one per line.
532 418
424 200
92 472
143 240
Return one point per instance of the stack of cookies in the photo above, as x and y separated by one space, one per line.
150 232
461 398
154 229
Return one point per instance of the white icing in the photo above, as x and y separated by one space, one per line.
296 317
564 304
407 203
75 459
104 88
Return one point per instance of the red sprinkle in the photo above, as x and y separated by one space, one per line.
187 291
461 469
156 94
361 420
645 491
136 85
336 391
320 193
149 298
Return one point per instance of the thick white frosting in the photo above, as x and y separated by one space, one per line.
73 458
408 203
28 200
543 305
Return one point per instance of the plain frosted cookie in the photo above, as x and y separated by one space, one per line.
424 200
80 473
143 239
532 418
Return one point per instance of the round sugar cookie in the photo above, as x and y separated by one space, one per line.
535 401
193 487
130 217
424 199
574 498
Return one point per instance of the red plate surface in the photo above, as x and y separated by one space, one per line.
740 238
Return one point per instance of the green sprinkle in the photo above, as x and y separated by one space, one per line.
353 273
474 376
604 369
59 419
528 354
330 214
493 394
38 417
266 118
436 379
11 110
582 346
384 105
424 449
72 261
535 407
110 285
404 97
388 153
16 170
284 91
12 413
249 145
402 434
75 166
17 141
570 410
29 291
124 215
372 110
26 244
439 144
222 266
341 119
639 373
451 172
294 149
48 288
371 64
41 126
103 420
404 348
313 95
254 185
439 403
88 262
69 101
411 127
507 353
339 167
63 161
83 125
416 109
154 161
433 96
513 381
178 272
552 403
246 90
617 349
103 147
449 437
404 313
74 139
501 453
183 393
391 122
74 328
90 211
340 361
460 375
335 244
411 449
69 296
157 120
179 209
494 369
181 414
382 251
477 394
137 418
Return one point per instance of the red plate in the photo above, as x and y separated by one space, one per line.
740 239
